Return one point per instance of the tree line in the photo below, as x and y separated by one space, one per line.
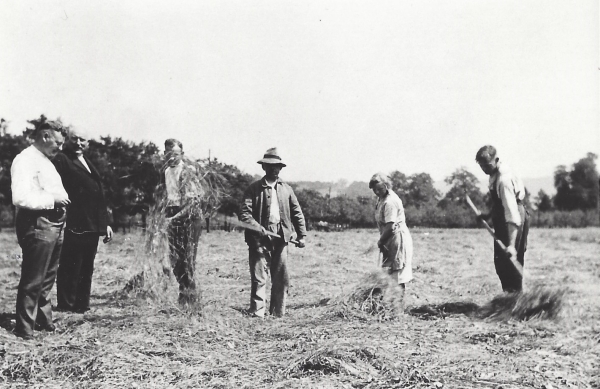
130 173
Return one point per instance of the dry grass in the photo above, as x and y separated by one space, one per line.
134 340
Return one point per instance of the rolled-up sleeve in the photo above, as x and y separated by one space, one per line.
25 192
506 192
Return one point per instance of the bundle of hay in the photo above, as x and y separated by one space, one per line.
538 303
153 264
376 294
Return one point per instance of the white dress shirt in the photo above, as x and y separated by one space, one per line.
510 189
82 160
172 174
274 217
35 180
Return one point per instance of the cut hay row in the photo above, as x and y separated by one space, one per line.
378 296
372 369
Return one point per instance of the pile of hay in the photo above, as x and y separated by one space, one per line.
339 360
376 294
538 303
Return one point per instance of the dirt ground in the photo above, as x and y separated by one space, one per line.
128 340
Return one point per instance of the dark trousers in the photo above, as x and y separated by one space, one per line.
40 235
74 278
510 278
183 234
271 257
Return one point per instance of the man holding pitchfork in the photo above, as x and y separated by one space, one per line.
509 216
271 206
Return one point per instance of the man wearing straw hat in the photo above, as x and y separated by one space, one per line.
509 216
40 198
87 220
183 216
271 206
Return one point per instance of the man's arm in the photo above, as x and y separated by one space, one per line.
246 210
506 192
297 218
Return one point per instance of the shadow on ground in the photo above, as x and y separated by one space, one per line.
441 311
6 320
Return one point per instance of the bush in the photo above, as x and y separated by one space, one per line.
561 219
6 216
452 216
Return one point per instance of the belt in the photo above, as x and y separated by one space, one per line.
54 215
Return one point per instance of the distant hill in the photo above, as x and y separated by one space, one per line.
340 188
358 188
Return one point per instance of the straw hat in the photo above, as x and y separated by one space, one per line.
272 157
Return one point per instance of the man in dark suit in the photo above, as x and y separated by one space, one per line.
87 220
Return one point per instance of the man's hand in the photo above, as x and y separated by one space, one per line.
109 235
511 252
301 244
263 231
61 200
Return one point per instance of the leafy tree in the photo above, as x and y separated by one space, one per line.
577 188
313 204
130 172
400 184
543 202
463 183
234 184
343 210
10 146
421 190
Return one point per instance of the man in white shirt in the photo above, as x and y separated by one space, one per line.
183 193
509 216
40 198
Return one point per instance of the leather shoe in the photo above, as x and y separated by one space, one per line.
81 310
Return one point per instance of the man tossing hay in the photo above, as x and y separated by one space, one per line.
183 214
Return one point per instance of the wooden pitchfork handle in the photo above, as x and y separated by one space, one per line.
514 261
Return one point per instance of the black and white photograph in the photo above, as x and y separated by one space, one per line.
300 194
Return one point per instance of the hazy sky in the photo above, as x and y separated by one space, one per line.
343 89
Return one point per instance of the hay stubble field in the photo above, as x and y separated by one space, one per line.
131 340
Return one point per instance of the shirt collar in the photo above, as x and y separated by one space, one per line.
265 185
496 174
178 166
37 152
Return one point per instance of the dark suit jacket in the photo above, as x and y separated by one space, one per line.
256 209
87 211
